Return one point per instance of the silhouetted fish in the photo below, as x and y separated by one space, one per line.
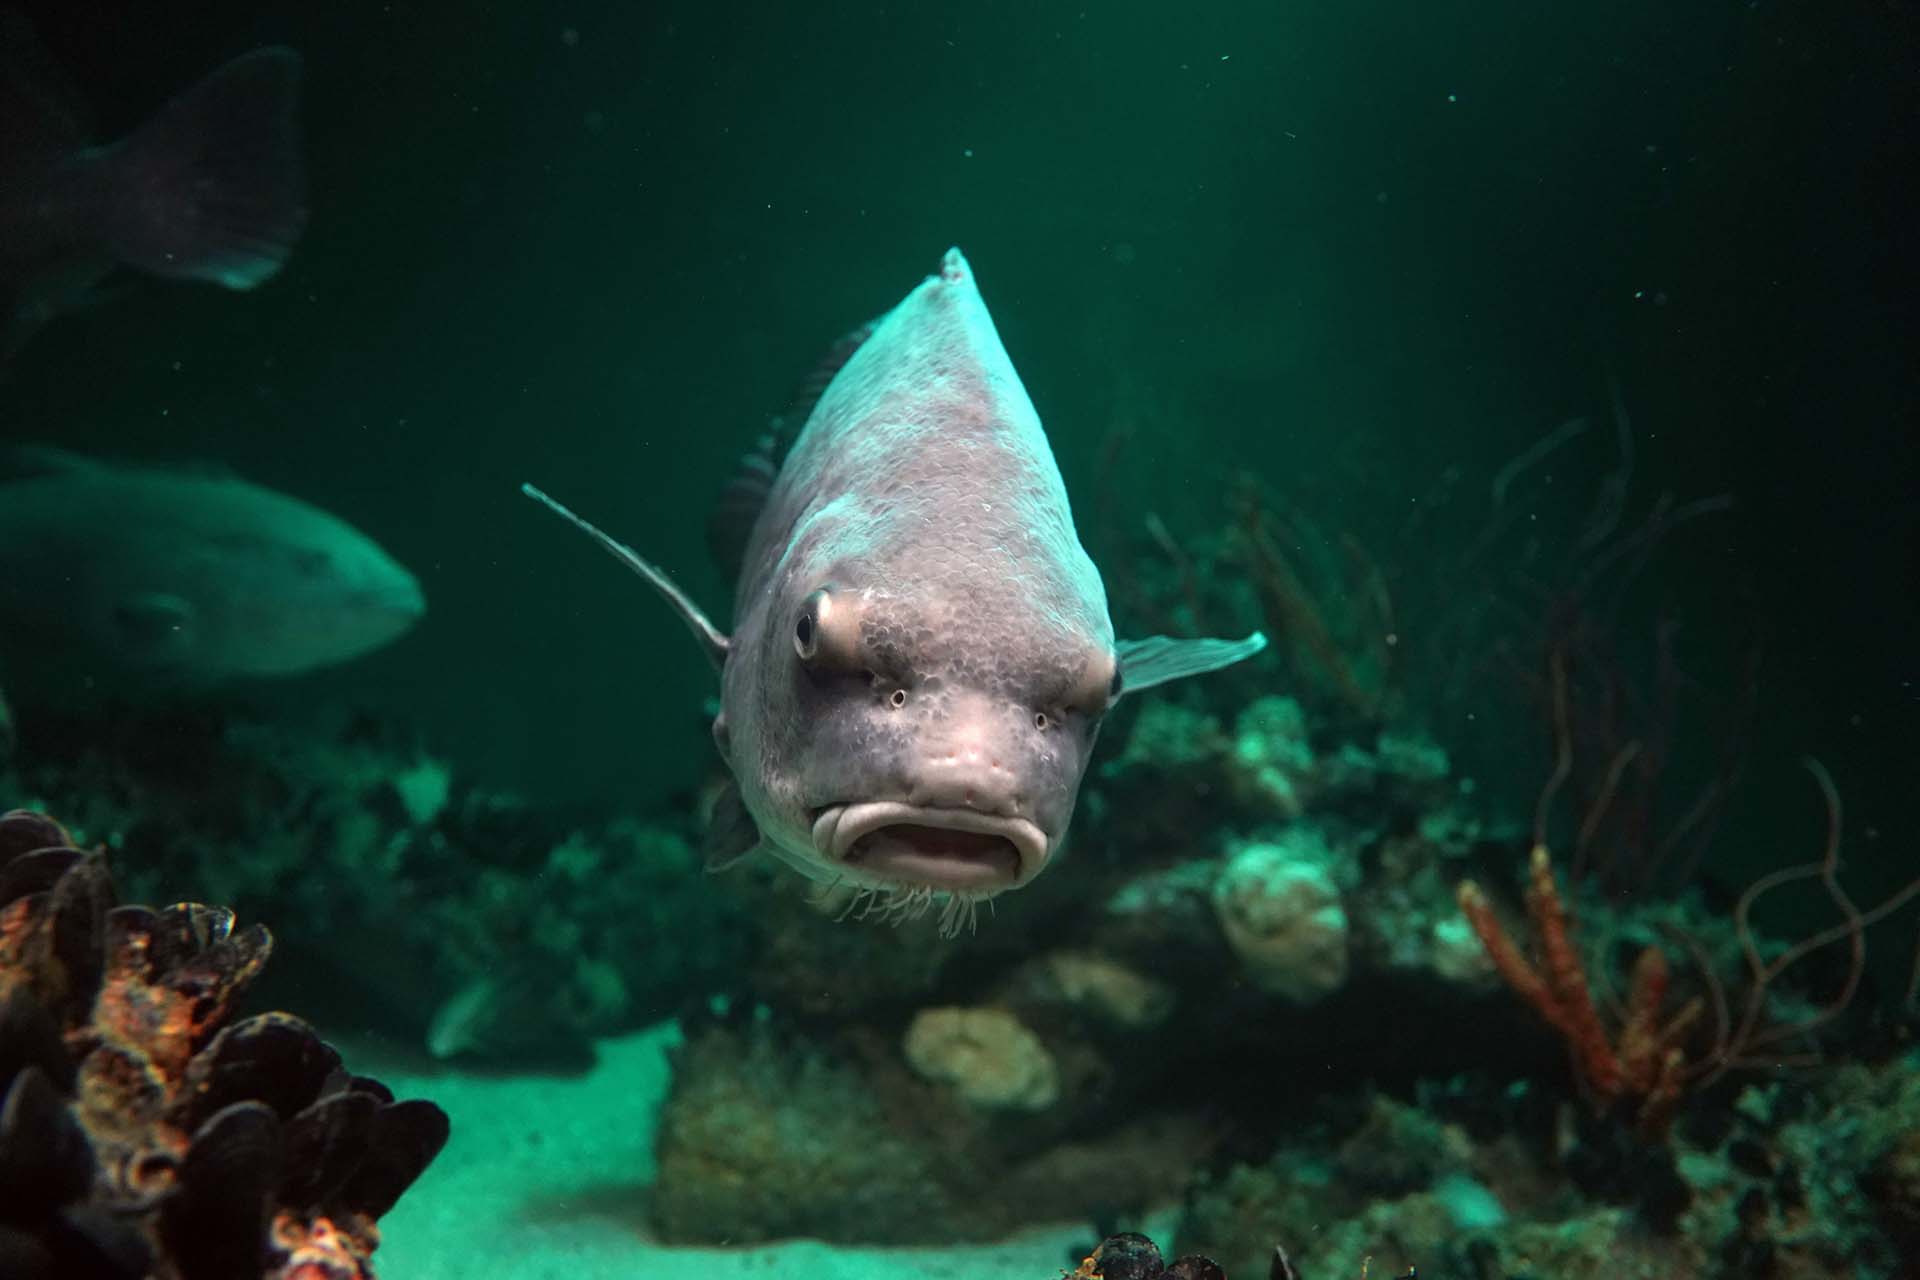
211 188
175 576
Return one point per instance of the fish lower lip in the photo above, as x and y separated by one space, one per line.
934 847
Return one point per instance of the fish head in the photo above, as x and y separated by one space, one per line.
915 739
330 598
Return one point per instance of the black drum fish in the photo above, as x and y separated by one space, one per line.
921 653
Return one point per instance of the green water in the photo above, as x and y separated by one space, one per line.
1353 251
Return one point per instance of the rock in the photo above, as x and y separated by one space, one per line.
985 1055
1281 912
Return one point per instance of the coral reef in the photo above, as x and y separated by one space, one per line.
1086 1045
532 931
1798 1179
147 1133
1274 979
1643 1060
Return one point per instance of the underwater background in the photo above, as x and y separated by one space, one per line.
1542 380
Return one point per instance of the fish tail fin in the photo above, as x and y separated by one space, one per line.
212 188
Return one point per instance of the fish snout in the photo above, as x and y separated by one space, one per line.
401 596
971 771
389 597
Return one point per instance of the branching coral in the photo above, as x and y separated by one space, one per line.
1353 649
1645 1060
1642 1060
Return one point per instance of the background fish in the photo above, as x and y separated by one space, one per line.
211 188
921 653
176 576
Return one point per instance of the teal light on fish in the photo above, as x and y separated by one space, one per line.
168 576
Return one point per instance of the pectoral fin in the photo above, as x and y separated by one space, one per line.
711 638
732 834
1158 659
154 628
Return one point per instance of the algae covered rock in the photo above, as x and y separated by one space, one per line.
1110 993
773 1132
1280 907
764 1138
986 1056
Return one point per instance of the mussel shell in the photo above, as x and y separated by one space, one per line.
23 831
1195 1267
35 872
186 930
1127 1256
25 1256
406 1138
29 1037
45 1158
94 1243
326 1145
129 935
218 977
272 1058
367 1084
78 911
215 1223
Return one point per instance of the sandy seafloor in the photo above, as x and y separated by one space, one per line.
545 1178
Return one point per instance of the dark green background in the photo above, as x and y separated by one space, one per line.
1344 245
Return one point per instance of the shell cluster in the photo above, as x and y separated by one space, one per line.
1132 1256
144 1132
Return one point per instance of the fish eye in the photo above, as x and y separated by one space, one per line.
1040 720
826 632
897 699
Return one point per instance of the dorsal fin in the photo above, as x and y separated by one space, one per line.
37 461
744 496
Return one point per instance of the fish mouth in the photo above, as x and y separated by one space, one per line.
939 848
